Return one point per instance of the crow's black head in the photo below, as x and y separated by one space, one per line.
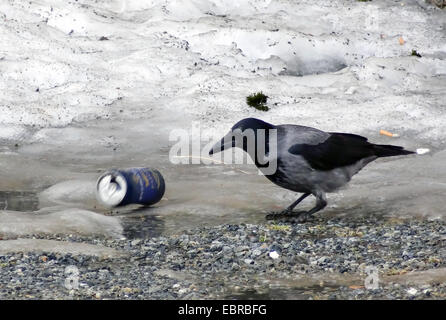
252 123
241 133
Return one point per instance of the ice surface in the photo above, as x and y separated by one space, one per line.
71 192
91 85
53 246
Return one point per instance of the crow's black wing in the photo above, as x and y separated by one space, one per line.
338 150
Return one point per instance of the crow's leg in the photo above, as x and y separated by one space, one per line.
288 211
295 203
321 203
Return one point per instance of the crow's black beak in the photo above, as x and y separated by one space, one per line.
226 142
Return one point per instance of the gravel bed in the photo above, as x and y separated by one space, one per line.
326 258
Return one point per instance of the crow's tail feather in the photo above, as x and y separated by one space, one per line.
383 150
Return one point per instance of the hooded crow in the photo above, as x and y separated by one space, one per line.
307 160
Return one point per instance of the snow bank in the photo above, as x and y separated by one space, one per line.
121 59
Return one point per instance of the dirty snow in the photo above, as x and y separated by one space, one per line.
92 84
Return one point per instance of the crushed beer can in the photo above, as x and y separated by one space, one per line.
119 187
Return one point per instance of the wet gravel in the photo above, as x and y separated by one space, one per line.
326 258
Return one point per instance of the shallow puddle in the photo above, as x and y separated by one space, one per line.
197 194
279 293
19 201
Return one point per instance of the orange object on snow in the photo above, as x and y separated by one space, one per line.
387 133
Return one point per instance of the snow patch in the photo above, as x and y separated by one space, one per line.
70 221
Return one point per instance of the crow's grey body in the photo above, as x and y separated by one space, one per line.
296 174
309 160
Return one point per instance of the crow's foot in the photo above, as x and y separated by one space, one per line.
278 214
287 215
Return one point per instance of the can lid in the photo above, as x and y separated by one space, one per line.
111 188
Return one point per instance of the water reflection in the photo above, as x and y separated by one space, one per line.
141 226
19 201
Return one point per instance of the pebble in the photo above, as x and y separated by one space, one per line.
412 291
209 262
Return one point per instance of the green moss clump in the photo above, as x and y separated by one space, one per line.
415 53
258 100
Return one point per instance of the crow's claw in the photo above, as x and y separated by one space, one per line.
285 215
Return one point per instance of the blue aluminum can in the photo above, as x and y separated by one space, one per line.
119 187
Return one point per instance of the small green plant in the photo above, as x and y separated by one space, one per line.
278 227
415 53
439 3
258 100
